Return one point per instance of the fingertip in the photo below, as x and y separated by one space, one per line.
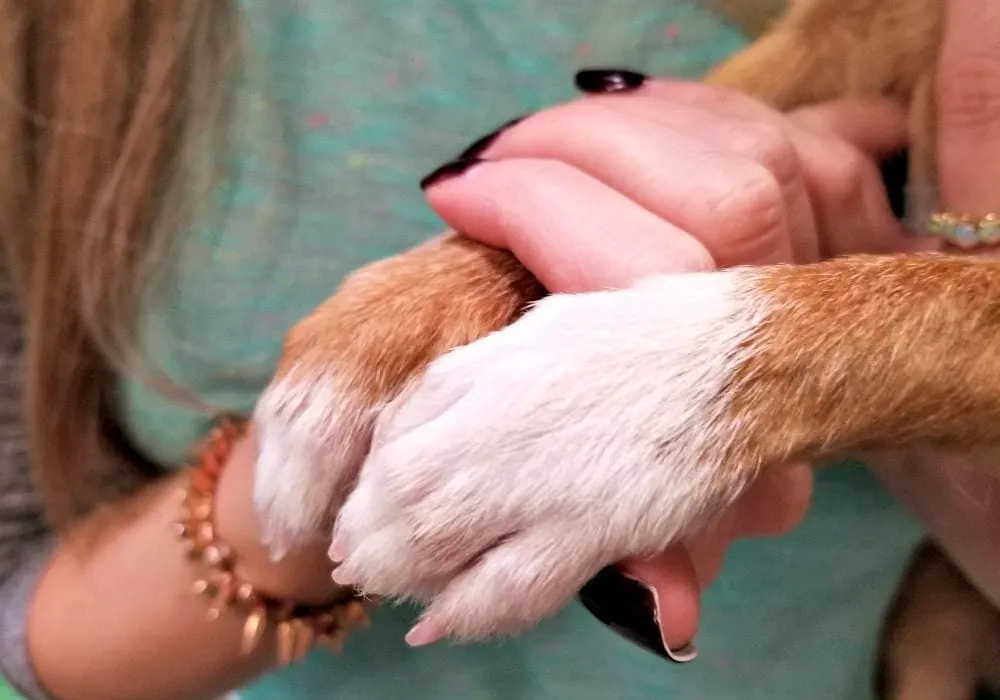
594 236
673 583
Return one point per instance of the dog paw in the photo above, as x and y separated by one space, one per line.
314 426
592 429
355 353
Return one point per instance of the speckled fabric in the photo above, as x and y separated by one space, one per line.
368 97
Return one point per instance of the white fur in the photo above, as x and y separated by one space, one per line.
586 432
313 435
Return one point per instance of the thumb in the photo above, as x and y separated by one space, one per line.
671 578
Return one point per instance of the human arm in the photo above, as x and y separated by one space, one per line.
115 619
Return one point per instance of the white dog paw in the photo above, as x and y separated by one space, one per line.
521 464
313 435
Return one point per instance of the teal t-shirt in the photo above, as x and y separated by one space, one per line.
344 106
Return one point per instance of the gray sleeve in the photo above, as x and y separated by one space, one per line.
25 540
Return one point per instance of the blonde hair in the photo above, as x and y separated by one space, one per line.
103 102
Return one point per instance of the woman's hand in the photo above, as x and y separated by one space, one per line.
952 494
670 177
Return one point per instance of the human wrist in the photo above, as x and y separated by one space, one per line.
304 574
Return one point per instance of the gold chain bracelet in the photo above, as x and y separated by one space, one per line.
299 627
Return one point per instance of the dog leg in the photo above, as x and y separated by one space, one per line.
609 424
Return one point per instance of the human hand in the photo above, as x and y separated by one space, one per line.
757 187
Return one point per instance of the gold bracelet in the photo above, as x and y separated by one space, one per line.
299 627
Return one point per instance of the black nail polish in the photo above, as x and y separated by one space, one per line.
629 608
895 175
481 144
449 170
608 80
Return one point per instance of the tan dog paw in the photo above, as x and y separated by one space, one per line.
355 353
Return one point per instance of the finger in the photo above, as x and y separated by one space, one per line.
672 581
853 212
774 504
711 99
666 121
968 108
837 143
735 185
842 175
573 232
838 179
878 128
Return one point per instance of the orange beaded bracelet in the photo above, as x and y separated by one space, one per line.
299 627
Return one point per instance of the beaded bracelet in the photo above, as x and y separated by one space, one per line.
965 232
299 627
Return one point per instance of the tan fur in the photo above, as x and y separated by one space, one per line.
806 357
390 319
443 294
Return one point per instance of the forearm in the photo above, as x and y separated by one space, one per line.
116 619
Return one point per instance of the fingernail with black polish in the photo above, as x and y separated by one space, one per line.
481 144
608 80
449 170
628 607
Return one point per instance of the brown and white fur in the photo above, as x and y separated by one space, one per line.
745 369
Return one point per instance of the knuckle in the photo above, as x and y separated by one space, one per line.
968 91
770 146
756 197
846 173
750 217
